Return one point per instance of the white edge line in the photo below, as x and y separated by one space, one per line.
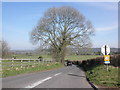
37 83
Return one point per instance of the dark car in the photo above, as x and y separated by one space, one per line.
68 63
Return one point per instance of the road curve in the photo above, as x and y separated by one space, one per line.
66 77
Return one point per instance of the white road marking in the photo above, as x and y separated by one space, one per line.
37 83
57 74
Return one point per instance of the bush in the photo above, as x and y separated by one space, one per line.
40 58
115 60
100 61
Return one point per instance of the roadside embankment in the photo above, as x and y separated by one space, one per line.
97 73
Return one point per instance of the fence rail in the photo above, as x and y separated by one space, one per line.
21 63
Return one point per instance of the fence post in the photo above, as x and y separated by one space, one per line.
29 63
21 63
42 62
38 62
0 63
12 63
34 63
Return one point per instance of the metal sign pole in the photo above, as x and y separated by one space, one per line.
107 67
105 50
106 54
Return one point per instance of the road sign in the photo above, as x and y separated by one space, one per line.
105 49
106 59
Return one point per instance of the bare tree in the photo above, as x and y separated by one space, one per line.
61 27
4 48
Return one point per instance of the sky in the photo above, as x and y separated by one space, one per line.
19 18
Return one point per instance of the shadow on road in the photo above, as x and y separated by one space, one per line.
76 75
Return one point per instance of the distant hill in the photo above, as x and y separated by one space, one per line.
22 51
99 49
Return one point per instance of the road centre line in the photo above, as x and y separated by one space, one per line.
41 81
37 83
57 74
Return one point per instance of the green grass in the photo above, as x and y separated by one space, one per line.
41 67
100 76
19 63
81 57
34 56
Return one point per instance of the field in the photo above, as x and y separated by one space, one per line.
47 57
34 56
34 65
81 57
103 78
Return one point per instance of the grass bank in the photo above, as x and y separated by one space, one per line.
41 67
103 78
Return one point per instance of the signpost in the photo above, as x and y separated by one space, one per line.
106 50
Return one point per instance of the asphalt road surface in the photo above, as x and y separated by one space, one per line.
66 77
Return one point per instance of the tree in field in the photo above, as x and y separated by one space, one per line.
62 27
4 48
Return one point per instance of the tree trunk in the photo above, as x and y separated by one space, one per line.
59 55
62 55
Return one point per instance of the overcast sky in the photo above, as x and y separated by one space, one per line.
21 17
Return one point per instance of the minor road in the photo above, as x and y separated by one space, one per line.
67 77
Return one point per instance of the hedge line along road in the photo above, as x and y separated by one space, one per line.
66 77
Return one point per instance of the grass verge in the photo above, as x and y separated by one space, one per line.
81 57
43 67
103 78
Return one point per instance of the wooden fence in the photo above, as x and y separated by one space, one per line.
21 63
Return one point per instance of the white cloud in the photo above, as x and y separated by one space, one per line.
108 28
